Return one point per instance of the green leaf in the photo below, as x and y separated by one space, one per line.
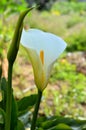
26 103
81 122
2 116
40 120
40 129
14 114
19 126
84 128
53 122
61 126
3 86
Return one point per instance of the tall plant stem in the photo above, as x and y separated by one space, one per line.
35 113
9 98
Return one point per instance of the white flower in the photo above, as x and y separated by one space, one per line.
43 48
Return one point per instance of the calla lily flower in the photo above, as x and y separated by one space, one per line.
43 48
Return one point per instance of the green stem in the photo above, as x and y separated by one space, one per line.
9 98
35 113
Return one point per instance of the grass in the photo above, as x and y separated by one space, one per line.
47 22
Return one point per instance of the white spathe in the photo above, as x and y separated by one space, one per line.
52 46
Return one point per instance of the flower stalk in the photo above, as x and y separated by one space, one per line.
35 113
9 98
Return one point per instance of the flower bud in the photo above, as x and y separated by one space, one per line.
14 47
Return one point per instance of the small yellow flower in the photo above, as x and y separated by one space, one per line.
56 13
63 61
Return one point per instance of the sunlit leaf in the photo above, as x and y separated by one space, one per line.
61 126
26 103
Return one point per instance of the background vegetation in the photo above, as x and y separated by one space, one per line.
66 92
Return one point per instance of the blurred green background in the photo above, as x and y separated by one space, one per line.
66 92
